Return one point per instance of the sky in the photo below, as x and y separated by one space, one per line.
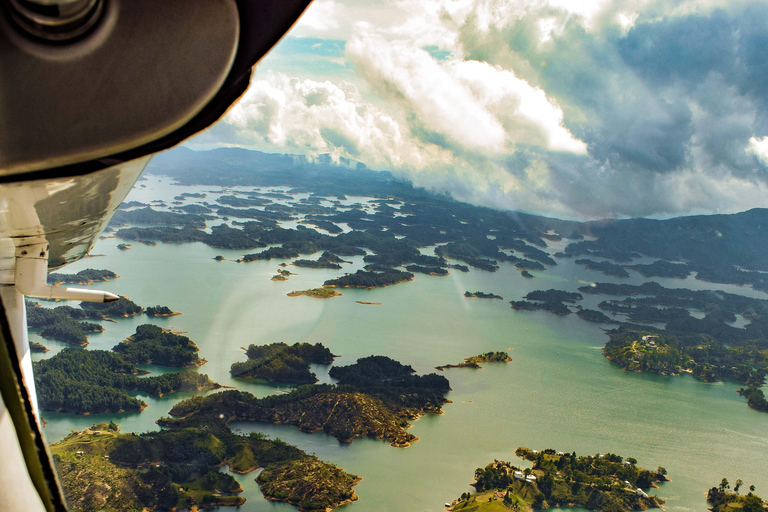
570 109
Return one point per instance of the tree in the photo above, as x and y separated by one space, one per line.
751 488
632 460
724 485
736 487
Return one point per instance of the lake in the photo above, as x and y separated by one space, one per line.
558 392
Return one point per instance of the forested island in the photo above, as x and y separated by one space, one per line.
159 311
151 344
701 355
592 315
121 307
103 470
606 267
723 500
317 293
326 260
87 276
476 361
547 300
482 295
605 482
95 381
279 362
375 397
60 323
37 347
430 271
367 279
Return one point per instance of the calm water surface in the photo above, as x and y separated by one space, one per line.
559 391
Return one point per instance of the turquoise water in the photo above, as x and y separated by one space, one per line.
558 392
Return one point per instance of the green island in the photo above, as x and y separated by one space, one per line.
482 295
547 300
526 274
661 268
326 260
606 267
59 323
104 470
124 247
700 355
282 275
723 500
242 202
151 344
554 296
557 308
160 311
592 315
326 225
475 361
608 483
95 381
366 279
318 293
37 347
316 264
121 307
279 362
430 271
87 276
70 331
149 216
221 236
375 397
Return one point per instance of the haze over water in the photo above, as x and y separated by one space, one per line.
559 392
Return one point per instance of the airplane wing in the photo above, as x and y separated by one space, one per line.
89 90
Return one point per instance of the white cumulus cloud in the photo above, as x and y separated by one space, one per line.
472 105
759 148
305 116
